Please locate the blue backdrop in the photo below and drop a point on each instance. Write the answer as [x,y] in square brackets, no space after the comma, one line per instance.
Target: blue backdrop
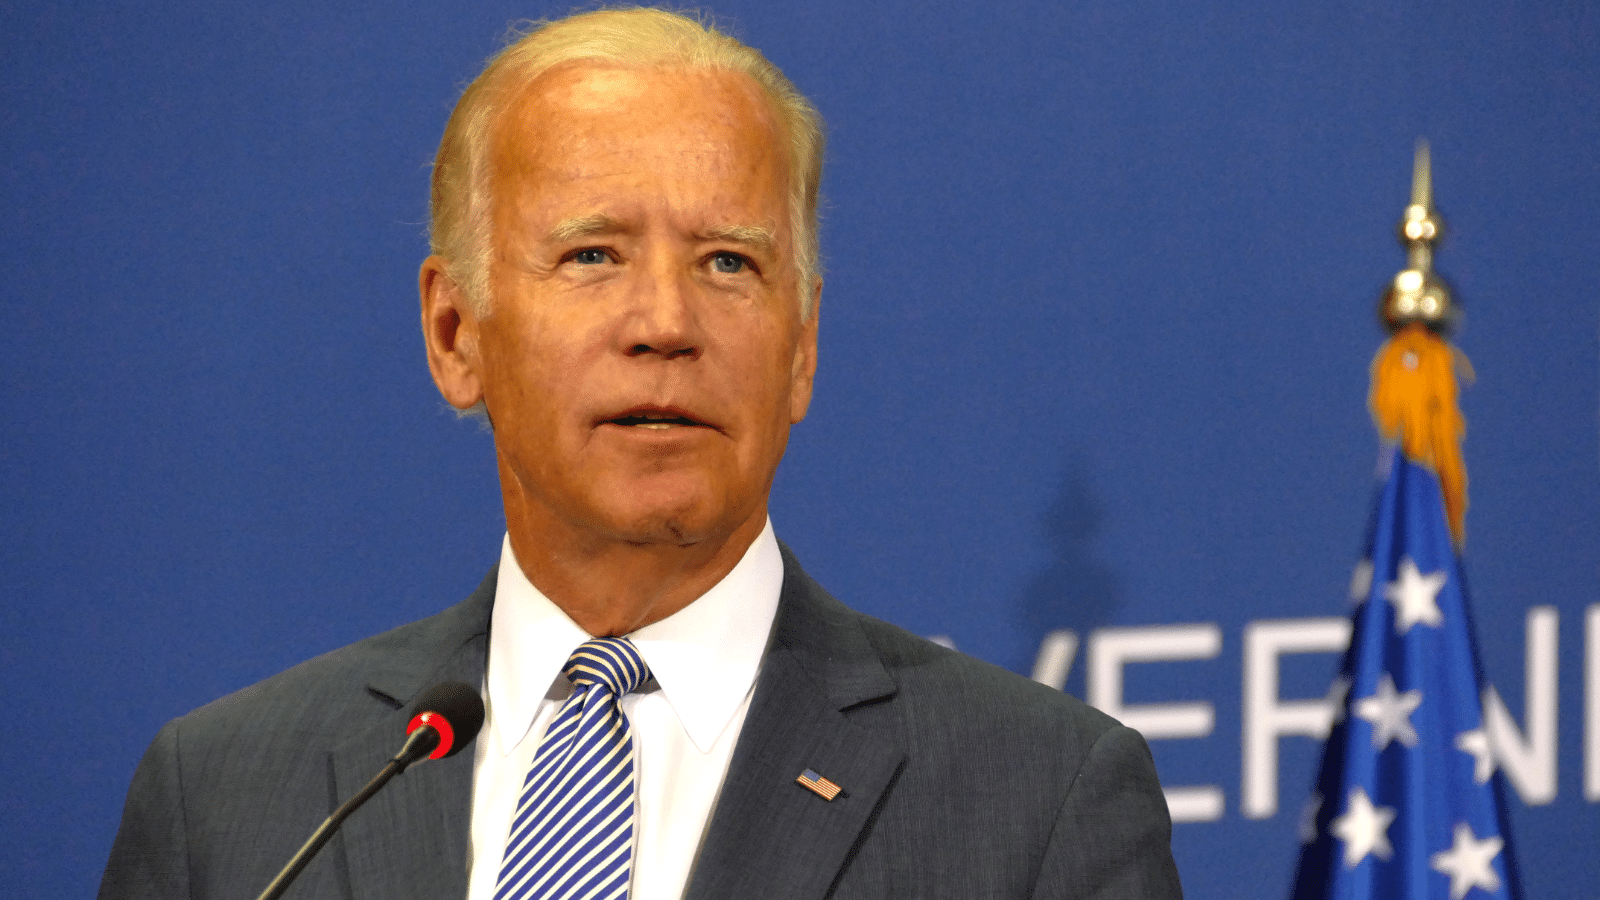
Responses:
[1099,308]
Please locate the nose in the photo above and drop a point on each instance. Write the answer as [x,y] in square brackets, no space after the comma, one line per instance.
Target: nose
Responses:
[661,319]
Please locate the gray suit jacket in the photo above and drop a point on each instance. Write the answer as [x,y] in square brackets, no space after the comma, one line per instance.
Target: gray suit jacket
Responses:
[959,779]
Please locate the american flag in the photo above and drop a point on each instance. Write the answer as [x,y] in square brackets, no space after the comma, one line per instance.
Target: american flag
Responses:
[822,786]
[1409,803]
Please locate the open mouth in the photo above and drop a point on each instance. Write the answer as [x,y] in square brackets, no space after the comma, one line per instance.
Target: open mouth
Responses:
[657,420]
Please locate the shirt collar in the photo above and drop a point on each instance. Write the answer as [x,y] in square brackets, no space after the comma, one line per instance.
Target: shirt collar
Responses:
[704,657]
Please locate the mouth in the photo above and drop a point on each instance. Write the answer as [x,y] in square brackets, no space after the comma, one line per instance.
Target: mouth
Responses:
[656,419]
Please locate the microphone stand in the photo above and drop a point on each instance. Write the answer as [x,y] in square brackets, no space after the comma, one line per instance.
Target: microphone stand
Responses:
[420,744]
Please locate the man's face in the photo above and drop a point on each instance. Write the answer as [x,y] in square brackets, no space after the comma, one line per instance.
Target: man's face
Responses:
[644,354]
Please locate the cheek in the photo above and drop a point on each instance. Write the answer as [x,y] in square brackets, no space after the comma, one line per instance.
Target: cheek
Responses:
[770,379]
[519,375]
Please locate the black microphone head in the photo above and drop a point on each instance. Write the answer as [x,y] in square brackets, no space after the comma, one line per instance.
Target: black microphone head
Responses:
[461,709]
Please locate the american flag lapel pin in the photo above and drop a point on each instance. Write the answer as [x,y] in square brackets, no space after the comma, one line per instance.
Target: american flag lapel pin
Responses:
[815,783]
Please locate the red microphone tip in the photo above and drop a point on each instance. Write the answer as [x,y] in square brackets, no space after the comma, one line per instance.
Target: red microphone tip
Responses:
[447,735]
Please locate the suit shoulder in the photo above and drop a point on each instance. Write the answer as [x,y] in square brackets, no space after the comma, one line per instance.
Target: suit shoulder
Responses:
[935,688]
[971,688]
[968,729]
[385,669]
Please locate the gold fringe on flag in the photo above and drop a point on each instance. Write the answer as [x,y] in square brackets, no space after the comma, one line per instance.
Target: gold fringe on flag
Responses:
[1413,403]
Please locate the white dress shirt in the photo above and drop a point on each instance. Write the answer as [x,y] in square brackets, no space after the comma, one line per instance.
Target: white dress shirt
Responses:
[686,719]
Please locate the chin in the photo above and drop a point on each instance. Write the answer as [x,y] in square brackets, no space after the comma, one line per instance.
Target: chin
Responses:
[674,527]
[653,517]
[682,518]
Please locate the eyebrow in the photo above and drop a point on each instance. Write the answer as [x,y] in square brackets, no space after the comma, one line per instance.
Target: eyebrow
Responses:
[750,235]
[757,236]
[583,226]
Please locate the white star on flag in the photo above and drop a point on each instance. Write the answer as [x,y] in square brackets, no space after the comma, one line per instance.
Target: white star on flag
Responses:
[1361,582]
[1468,862]
[1415,597]
[1390,714]
[1476,742]
[1364,828]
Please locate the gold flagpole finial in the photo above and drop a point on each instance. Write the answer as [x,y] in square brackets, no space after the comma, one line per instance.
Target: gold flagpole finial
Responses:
[1421,178]
[1418,294]
[1414,376]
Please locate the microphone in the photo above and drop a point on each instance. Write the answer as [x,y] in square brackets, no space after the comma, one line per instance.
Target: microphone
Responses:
[448,718]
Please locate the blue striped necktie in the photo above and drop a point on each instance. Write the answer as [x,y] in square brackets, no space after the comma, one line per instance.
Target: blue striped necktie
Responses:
[572,836]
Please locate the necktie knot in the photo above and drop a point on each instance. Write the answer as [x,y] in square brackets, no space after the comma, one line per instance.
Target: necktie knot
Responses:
[572,835]
[613,662]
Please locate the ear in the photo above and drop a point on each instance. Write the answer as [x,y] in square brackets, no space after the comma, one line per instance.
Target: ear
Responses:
[804,373]
[450,329]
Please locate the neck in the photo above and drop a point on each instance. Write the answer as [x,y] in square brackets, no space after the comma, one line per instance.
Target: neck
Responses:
[612,586]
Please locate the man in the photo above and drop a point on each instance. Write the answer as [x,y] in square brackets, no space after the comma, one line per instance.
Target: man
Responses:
[624,281]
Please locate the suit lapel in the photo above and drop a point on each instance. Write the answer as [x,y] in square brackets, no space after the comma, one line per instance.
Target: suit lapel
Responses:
[771,837]
[410,839]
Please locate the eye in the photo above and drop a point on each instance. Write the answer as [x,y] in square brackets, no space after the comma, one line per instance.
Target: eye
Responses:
[728,263]
[591,256]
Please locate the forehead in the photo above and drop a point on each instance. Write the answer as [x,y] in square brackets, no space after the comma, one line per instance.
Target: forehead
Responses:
[586,119]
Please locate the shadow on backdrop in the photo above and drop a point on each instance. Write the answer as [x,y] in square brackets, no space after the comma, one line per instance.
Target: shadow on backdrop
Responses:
[1076,589]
